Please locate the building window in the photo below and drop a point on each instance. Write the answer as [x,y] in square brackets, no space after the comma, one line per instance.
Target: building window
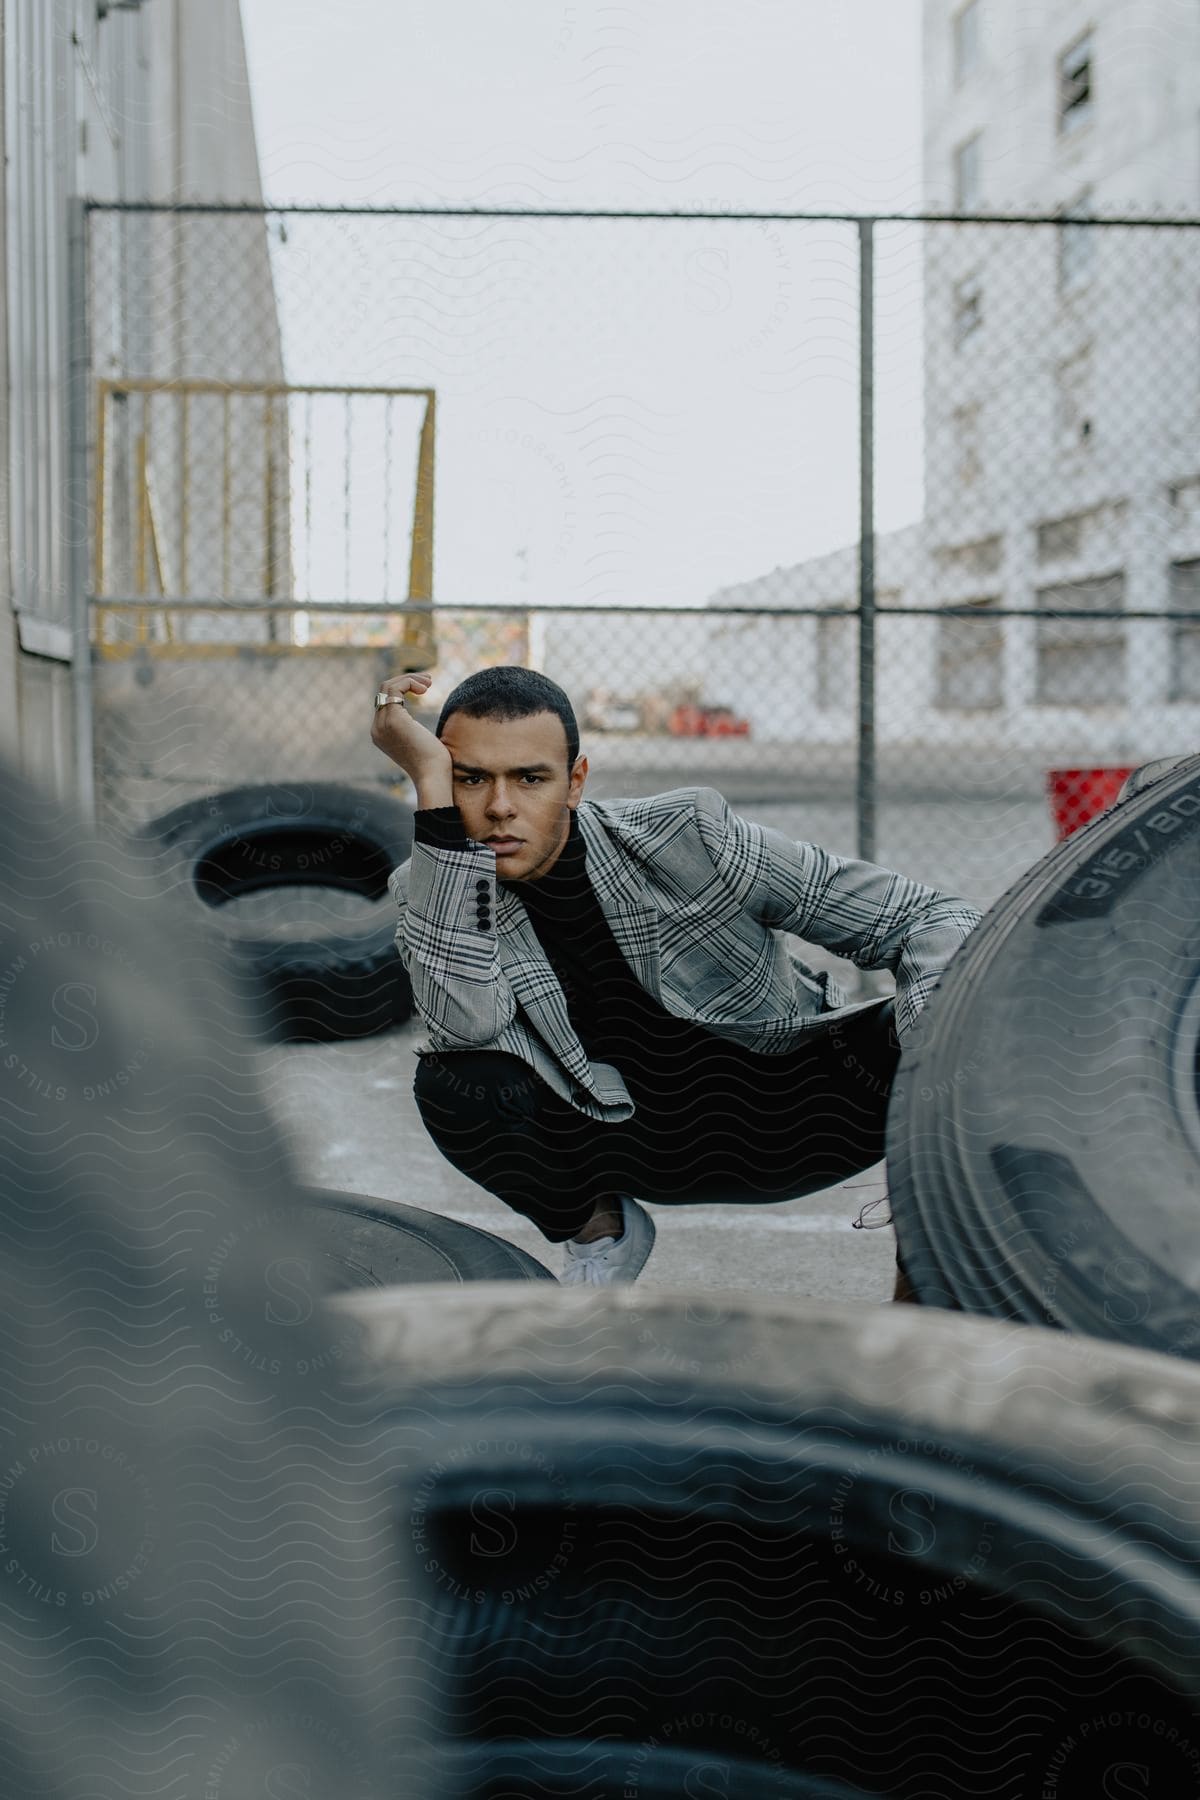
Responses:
[1076,246]
[967,423]
[1075,85]
[967,40]
[837,676]
[1073,421]
[1059,538]
[968,308]
[968,174]
[982,556]
[1097,533]
[1081,661]
[1184,596]
[1184,496]
[970,660]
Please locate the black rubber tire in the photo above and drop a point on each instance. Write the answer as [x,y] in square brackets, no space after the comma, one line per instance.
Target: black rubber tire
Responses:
[1143,776]
[895,1550]
[368,1243]
[345,981]
[513,1769]
[1044,1133]
[232,1606]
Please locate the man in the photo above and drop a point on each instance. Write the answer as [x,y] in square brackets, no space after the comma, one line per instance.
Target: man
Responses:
[611,1007]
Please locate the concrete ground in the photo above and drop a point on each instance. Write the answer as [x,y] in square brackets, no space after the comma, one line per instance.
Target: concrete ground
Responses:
[349,1111]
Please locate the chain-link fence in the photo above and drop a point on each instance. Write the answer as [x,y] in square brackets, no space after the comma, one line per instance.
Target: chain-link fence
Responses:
[872,524]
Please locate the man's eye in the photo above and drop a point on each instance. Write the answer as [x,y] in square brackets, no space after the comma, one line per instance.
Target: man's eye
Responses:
[535,779]
[467,780]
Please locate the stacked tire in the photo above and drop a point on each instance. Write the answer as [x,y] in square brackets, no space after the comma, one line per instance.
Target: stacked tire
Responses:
[1044,1133]
[362,1243]
[312,979]
[742,1548]
[196,1582]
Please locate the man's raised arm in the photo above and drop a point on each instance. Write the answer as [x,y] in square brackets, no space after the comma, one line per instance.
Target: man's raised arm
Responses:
[446,936]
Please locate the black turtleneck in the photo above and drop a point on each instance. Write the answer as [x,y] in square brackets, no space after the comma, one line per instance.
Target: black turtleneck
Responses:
[602,994]
[613,1016]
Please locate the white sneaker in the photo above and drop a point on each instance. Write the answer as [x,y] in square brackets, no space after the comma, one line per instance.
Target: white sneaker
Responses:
[609,1260]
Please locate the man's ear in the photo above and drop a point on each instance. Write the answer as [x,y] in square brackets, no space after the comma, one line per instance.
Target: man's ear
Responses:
[578,777]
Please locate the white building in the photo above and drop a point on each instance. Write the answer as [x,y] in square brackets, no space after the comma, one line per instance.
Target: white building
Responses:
[1061,394]
[798,677]
[110,100]
[1062,363]
[1060,98]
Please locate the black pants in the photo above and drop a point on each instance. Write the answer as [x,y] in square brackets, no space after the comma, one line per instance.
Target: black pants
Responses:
[744,1127]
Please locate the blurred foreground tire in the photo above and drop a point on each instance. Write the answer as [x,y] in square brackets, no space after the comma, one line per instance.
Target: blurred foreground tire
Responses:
[318,979]
[890,1551]
[199,1589]
[366,1243]
[514,1770]
[1044,1131]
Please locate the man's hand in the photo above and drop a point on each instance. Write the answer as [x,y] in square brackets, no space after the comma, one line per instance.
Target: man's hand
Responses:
[422,756]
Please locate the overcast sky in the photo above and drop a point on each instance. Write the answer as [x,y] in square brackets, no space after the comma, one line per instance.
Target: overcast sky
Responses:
[626,412]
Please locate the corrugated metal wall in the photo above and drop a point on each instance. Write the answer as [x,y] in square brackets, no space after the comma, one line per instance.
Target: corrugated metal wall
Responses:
[136,105]
[38,79]
[72,124]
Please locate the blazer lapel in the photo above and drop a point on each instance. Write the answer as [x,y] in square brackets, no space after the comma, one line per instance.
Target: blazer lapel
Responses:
[535,986]
[620,890]
[620,887]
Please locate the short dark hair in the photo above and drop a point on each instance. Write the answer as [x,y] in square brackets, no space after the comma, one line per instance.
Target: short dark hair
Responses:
[510,692]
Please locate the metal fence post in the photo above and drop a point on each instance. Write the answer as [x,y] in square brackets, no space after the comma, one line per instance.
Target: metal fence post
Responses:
[865,785]
[79,540]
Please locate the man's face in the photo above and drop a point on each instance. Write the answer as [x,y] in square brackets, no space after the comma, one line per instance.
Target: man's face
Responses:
[513,789]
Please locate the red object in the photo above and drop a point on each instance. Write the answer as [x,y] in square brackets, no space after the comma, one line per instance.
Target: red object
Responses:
[1080,795]
[707,721]
[687,721]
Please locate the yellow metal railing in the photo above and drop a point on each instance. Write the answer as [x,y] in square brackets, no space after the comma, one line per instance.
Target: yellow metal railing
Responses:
[150,535]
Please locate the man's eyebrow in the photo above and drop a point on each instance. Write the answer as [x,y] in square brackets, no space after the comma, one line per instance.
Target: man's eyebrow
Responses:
[523,769]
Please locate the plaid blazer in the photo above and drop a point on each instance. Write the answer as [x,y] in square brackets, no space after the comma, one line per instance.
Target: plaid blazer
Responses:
[700,902]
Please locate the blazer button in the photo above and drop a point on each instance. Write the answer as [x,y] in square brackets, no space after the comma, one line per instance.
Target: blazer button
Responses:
[483,887]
